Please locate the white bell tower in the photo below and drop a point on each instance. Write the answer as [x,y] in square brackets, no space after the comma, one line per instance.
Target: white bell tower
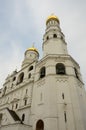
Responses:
[54,39]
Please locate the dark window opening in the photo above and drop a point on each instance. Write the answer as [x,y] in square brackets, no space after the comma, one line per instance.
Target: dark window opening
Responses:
[47,37]
[42,72]
[63,95]
[4,91]
[14,78]
[29,76]
[23,117]
[25,102]
[16,106]
[20,78]
[0,117]
[76,73]
[60,68]
[40,125]
[31,68]
[54,36]
[65,117]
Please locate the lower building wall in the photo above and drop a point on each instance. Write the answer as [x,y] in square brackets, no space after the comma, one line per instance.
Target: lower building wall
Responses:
[15,127]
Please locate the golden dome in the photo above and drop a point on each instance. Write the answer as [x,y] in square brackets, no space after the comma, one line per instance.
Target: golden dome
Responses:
[52,17]
[32,49]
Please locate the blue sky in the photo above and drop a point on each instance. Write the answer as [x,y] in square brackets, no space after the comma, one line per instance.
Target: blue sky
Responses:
[22,23]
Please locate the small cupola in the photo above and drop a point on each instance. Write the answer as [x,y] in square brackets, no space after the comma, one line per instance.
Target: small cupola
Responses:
[52,17]
[31,55]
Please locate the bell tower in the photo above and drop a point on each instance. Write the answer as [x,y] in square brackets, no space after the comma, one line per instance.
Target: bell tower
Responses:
[59,97]
[54,39]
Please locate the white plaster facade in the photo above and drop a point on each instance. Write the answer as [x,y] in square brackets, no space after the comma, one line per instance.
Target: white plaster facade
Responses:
[43,96]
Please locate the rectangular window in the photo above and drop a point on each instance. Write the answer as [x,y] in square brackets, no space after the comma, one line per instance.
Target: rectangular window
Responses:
[62,95]
[25,102]
[65,117]
[0,118]
[16,105]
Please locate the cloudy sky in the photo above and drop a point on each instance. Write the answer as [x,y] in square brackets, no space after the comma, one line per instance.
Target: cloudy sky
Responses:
[22,23]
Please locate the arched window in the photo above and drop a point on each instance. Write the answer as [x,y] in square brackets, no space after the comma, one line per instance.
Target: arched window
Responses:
[42,72]
[54,36]
[76,73]
[40,125]
[31,68]
[20,78]
[60,68]
[23,117]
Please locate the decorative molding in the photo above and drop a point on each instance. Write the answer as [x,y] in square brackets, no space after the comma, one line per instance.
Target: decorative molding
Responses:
[61,79]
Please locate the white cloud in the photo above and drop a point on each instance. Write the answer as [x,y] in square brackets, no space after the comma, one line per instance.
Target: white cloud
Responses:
[8,64]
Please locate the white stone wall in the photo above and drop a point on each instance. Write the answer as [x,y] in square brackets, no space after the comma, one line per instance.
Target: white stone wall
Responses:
[48,103]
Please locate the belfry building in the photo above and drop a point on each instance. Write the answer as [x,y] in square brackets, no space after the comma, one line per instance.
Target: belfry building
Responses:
[45,94]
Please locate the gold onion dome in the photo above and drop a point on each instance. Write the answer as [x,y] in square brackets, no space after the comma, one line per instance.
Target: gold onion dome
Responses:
[52,17]
[32,49]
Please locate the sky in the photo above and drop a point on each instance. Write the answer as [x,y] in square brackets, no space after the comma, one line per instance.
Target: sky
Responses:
[22,23]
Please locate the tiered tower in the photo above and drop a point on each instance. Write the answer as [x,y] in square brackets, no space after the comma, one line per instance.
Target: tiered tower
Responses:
[54,39]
